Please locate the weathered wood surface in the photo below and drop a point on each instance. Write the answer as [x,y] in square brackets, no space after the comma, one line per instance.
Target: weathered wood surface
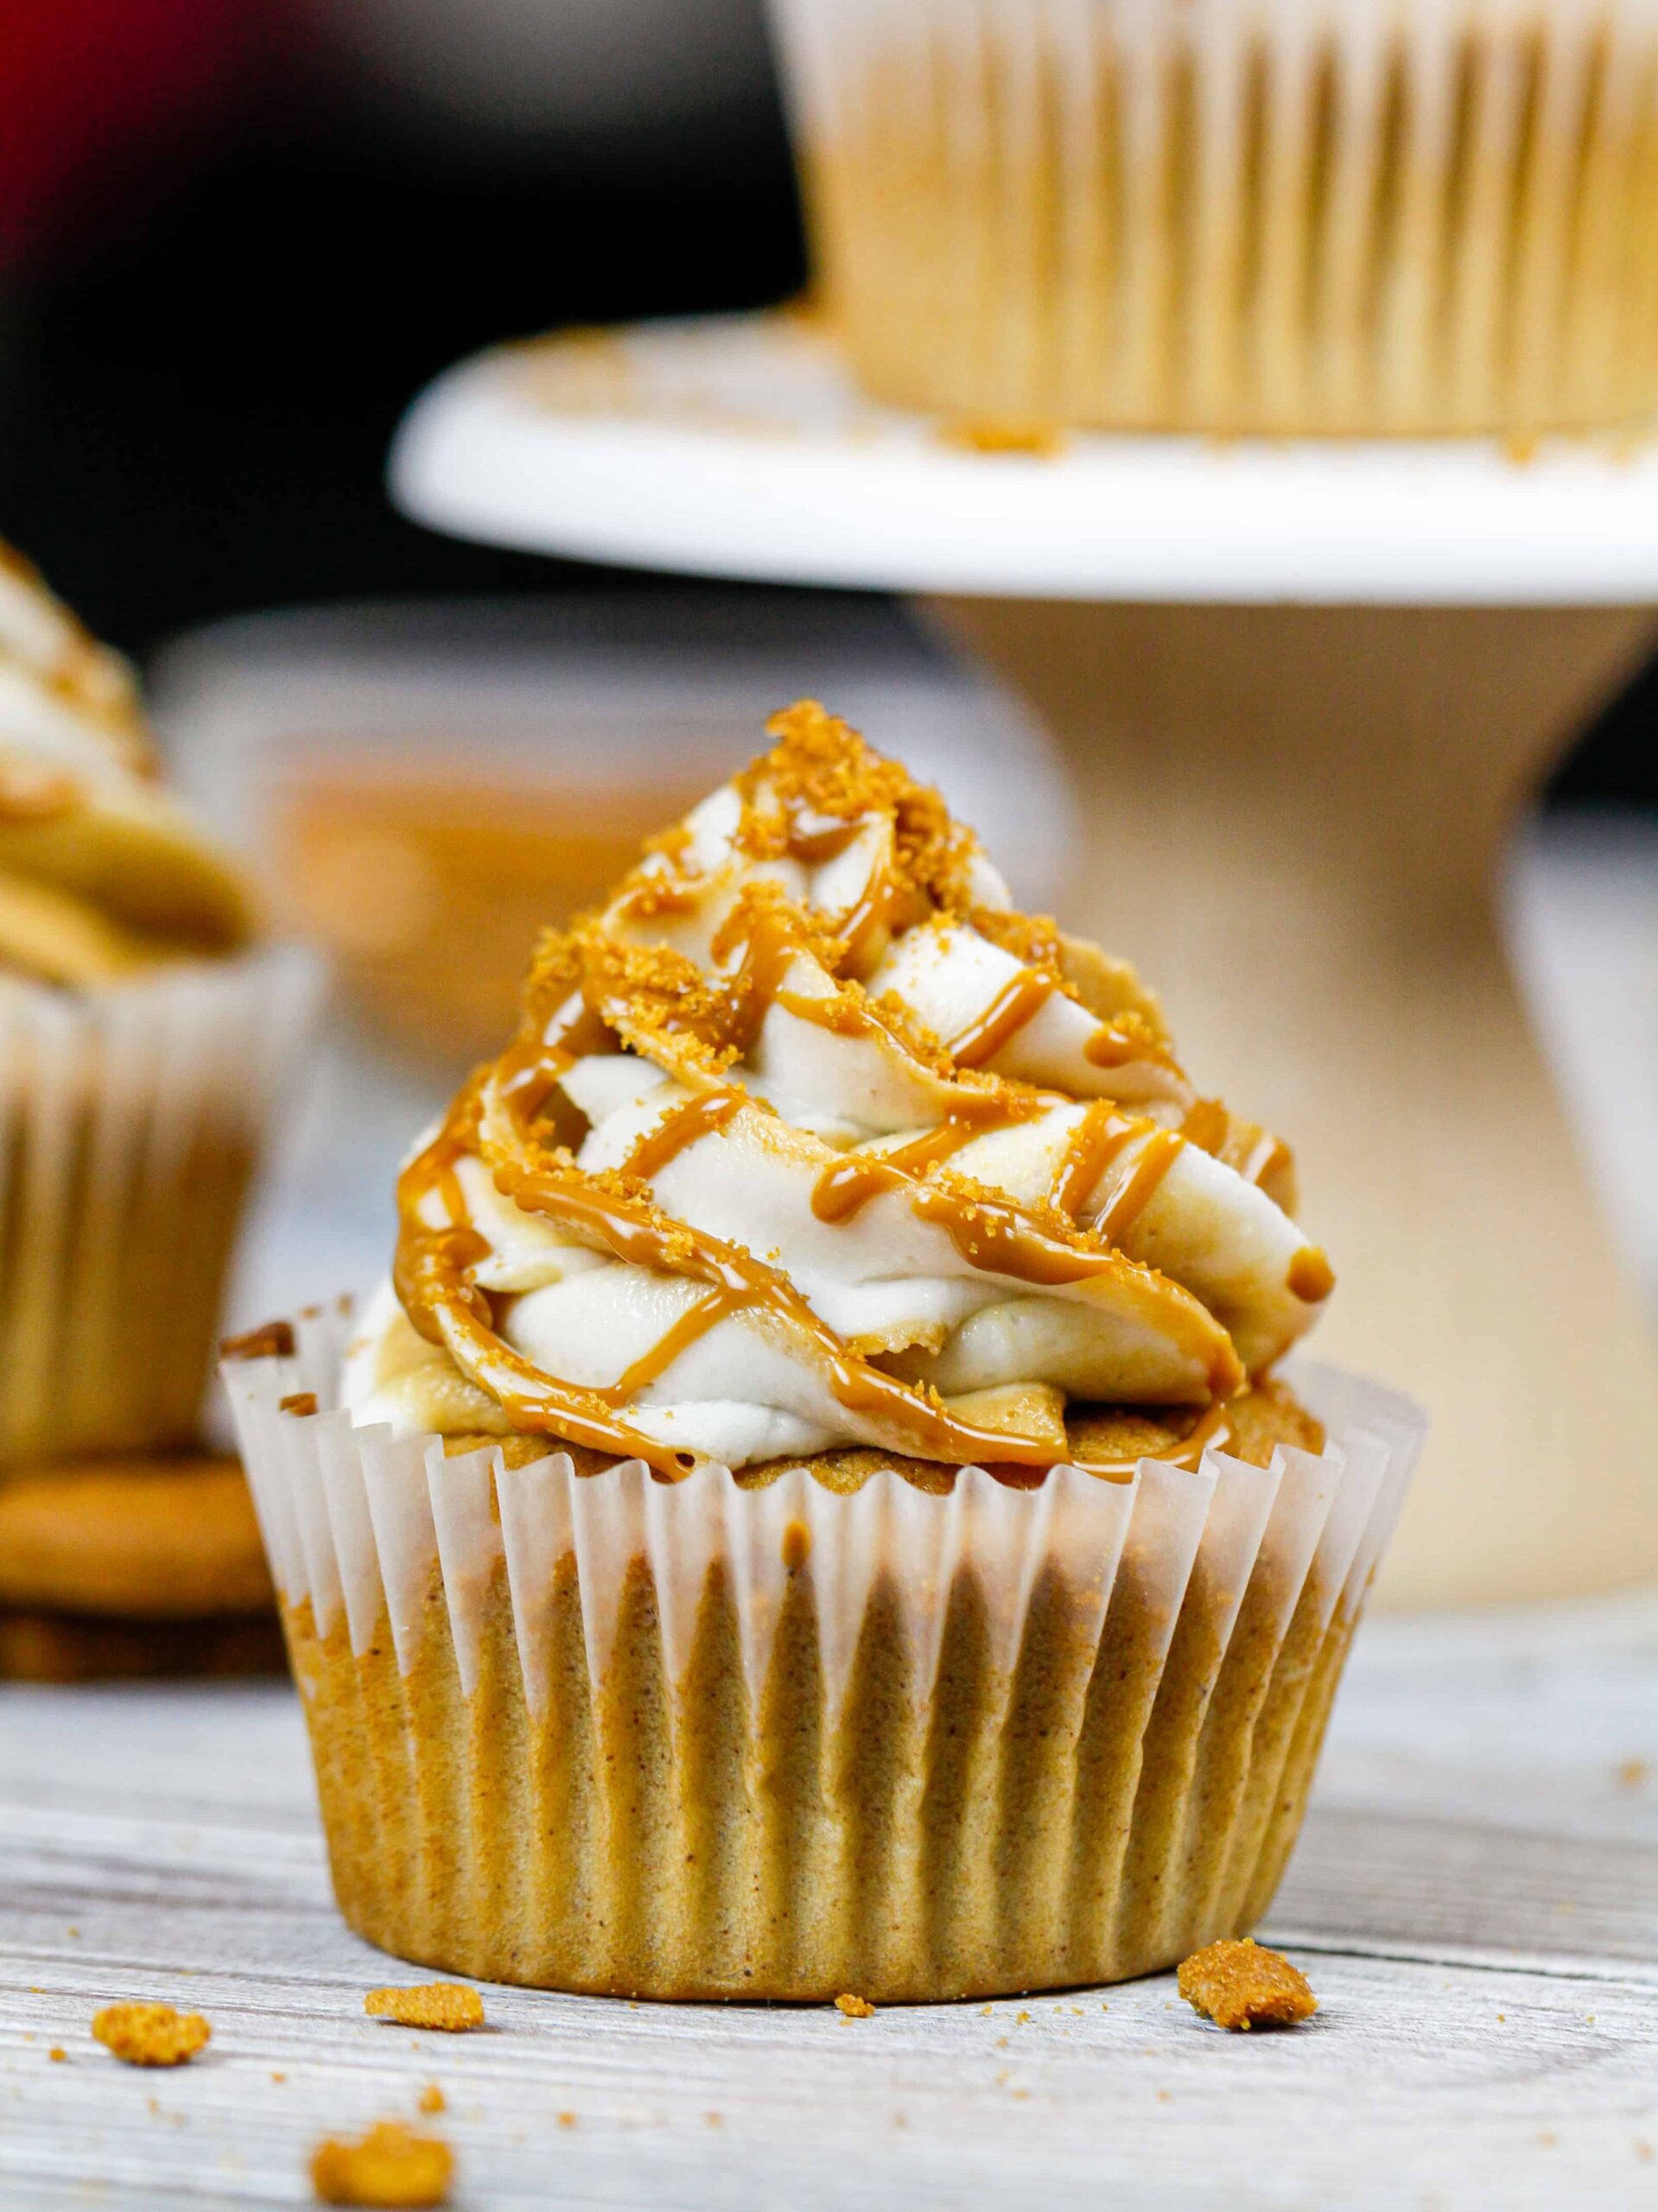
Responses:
[1476,1901]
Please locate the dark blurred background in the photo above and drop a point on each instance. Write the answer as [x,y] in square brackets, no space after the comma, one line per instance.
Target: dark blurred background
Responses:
[236,236]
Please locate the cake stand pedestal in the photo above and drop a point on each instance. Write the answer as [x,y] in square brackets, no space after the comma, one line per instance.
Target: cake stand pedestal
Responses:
[1294,815]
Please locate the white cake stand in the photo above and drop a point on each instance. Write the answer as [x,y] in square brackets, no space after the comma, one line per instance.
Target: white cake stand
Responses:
[1306,691]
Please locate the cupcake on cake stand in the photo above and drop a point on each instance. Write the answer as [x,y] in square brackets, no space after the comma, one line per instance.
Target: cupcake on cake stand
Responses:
[1305,691]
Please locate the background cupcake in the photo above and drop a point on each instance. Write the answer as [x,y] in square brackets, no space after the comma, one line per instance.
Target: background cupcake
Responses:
[1306,215]
[143,1038]
[812,1510]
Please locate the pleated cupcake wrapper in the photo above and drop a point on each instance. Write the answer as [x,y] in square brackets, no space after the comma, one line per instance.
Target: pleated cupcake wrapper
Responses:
[377,1539]
[1439,215]
[131,1122]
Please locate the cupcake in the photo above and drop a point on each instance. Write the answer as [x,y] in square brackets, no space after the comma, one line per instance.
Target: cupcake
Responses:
[815,1507]
[142,1035]
[1220,216]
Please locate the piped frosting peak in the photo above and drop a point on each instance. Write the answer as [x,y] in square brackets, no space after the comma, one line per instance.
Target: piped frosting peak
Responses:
[808,1140]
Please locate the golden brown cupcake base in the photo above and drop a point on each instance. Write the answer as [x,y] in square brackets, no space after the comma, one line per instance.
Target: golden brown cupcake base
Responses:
[1122,1794]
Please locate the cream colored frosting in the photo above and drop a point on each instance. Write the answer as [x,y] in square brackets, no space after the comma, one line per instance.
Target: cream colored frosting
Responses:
[808,1141]
[103,873]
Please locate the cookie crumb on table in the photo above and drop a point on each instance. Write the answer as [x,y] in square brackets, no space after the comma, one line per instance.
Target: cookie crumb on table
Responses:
[1240,1985]
[271,1340]
[854,2008]
[150,2035]
[450,2006]
[431,2099]
[391,2166]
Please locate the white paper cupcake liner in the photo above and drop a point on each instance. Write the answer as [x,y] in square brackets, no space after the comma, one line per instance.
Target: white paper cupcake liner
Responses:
[131,1122]
[1319,215]
[1141,1670]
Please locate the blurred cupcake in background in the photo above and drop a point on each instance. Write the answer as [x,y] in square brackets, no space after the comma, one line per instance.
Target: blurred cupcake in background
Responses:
[144,1030]
[1238,216]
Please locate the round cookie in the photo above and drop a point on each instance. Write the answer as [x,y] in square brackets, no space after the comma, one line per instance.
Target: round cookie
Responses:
[132,1539]
[70,1648]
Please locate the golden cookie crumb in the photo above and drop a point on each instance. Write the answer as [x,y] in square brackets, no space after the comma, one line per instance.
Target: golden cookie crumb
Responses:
[150,2035]
[391,2166]
[566,2119]
[447,2005]
[432,2099]
[1633,1774]
[1240,1985]
[57,2054]
[273,1340]
[854,2008]
[993,435]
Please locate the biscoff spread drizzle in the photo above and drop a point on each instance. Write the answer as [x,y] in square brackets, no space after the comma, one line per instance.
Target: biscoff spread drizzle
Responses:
[663,1133]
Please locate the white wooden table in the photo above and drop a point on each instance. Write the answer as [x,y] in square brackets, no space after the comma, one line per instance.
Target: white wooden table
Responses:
[1476,1901]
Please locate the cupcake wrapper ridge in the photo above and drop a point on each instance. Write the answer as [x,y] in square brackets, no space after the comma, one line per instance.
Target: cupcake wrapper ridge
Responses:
[132,1121]
[1437,216]
[690,1740]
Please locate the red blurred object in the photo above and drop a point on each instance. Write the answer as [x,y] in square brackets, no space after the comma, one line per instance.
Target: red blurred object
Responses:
[98,96]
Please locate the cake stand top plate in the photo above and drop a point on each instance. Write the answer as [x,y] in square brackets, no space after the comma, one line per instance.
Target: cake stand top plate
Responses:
[738,446]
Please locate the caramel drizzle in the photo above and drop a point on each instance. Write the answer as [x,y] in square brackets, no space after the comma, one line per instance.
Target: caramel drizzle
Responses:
[1140,1185]
[1215,1427]
[1269,1153]
[1206,1124]
[434,1282]
[1102,1134]
[1019,1000]
[682,1125]
[848,1184]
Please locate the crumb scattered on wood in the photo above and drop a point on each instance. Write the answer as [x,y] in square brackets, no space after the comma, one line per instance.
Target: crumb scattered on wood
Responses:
[566,2119]
[994,435]
[1634,1774]
[57,2054]
[854,2008]
[1240,1985]
[151,2034]
[272,1339]
[431,2099]
[448,2007]
[391,2166]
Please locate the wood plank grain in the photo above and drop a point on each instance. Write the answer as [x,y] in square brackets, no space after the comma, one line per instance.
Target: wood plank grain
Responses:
[1477,2045]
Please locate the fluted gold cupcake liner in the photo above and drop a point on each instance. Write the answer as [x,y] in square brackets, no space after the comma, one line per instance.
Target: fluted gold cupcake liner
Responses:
[693,1740]
[1319,216]
[132,1122]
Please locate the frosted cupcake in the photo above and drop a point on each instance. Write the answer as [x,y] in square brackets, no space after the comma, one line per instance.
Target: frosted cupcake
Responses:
[811,1510]
[141,1036]
[1306,215]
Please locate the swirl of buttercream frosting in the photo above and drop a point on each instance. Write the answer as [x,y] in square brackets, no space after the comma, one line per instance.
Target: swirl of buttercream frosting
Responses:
[104,874]
[808,1141]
